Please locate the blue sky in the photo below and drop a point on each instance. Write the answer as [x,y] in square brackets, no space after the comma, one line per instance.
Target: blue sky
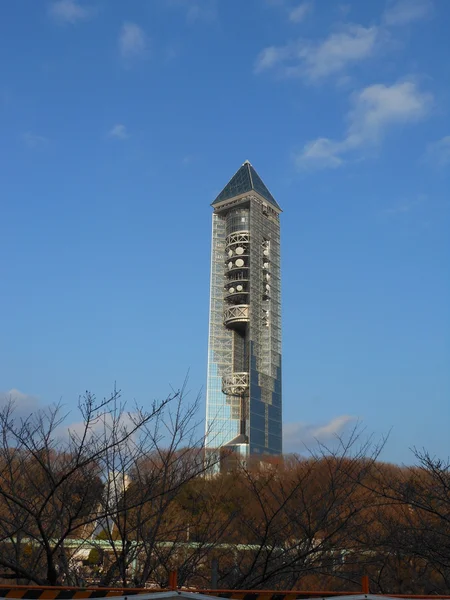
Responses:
[120,122]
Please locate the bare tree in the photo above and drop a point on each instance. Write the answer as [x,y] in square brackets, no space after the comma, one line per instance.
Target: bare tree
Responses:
[121,498]
[53,481]
[294,517]
[408,544]
[148,529]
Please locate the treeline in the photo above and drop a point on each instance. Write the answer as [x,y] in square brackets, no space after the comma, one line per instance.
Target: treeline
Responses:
[123,498]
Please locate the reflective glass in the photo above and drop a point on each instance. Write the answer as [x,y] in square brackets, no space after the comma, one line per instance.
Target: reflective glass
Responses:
[245,180]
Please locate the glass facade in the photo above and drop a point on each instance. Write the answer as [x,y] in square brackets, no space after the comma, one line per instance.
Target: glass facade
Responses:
[245,180]
[243,404]
[264,332]
[238,220]
[221,427]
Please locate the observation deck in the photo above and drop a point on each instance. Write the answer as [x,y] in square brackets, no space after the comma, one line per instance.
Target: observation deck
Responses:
[235,384]
[237,313]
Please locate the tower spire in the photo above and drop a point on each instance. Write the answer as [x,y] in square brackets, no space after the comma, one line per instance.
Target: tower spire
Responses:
[246,179]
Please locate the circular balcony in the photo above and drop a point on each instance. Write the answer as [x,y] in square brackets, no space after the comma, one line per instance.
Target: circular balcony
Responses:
[235,314]
[236,289]
[235,384]
[237,279]
[236,252]
[237,263]
[236,296]
[237,238]
[244,255]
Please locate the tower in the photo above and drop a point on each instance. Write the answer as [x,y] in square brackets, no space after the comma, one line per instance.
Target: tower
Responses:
[243,397]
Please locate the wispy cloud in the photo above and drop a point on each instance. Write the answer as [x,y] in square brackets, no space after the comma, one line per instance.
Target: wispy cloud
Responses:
[438,153]
[300,12]
[69,11]
[317,60]
[133,42]
[405,206]
[402,12]
[376,109]
[321,153]
[197,10]
[351,44]
[344,9]
[188,159]
[298,436]
[119,132]
[32,140]
[201,11]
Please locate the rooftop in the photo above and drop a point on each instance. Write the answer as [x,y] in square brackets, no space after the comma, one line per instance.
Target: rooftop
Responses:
[245,180]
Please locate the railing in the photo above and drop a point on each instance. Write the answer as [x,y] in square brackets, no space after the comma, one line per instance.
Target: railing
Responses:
[236,314]
[237,238]
[235,384]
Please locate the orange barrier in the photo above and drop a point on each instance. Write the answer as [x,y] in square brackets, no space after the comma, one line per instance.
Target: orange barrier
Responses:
[35,592]
[66,593]
[304,594]
[365,584]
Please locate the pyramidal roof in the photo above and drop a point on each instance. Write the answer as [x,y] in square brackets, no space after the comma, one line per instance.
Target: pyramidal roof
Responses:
[245,180]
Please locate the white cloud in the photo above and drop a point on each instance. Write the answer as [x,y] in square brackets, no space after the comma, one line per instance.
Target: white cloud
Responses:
[119,132]
[402,12]
[320,153]
[375,110]
[298,436]
[342,49]
[315,61]
[300,12]
[378,106]
[104,424]
[133,42]
[438,153]
[24,404]
[69,11]
[271,57]
[32,140]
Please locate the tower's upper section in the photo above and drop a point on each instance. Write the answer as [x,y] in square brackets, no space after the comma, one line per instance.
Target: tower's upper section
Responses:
[245,180]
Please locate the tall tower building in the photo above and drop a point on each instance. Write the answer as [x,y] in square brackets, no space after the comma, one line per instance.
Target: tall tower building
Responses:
[243,398]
